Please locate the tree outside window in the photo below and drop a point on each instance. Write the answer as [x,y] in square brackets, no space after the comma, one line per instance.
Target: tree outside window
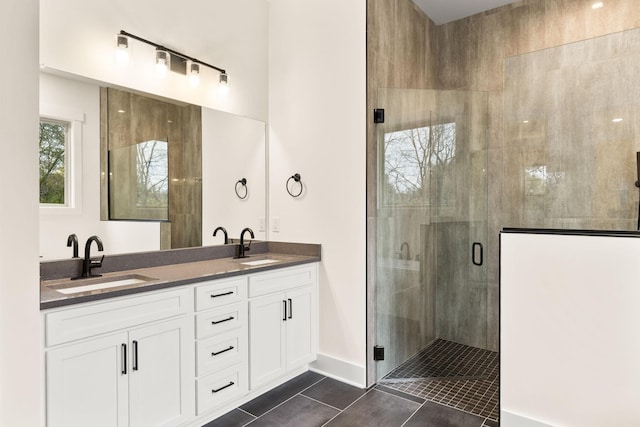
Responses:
[418,166]
[53,148]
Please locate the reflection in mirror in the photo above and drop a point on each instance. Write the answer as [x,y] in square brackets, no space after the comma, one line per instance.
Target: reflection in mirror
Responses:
[230,147]
[139,181]
[128,118]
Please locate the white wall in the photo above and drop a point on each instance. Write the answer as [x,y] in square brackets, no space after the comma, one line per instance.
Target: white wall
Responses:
[20,338]
[66,97]
[233,148]
[78,36]
[570,342]
[317,95]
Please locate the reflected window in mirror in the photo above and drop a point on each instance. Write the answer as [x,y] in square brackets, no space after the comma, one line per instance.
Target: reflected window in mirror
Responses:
[139,181]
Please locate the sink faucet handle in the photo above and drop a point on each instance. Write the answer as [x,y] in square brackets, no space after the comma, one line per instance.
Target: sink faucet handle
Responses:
[97,263]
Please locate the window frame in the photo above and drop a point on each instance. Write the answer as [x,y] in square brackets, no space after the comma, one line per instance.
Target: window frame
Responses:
[73,159]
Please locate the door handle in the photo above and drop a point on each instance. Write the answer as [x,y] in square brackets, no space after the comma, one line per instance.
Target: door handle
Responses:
[123,354]
[135,355]
[477,252]
[284,317]
[290,308]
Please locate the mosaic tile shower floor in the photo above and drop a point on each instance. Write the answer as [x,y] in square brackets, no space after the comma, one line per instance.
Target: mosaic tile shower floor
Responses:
[452,374]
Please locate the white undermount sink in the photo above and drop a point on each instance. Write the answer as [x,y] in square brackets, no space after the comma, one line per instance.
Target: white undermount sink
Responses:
[93,284]
[259,262]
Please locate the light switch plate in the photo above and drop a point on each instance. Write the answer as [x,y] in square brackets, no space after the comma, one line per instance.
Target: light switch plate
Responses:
[276,224]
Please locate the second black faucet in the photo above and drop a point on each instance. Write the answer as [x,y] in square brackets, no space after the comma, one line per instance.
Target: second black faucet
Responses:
[242,248]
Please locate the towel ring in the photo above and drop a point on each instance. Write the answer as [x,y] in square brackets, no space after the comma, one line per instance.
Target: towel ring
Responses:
[243,182]
[296,177]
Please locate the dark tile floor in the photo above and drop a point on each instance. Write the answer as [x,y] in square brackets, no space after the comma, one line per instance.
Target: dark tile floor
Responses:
[311,400]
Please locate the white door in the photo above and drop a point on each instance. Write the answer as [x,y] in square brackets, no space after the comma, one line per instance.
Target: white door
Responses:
[87,383]
[300,323]
[267,339]
[160,381]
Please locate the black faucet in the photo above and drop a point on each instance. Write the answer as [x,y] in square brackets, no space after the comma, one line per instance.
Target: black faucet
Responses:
[226,237]
[73,240]
[242,248]
[88,263]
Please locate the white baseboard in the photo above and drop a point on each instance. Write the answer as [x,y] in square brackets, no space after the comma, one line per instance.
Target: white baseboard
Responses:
[509,419]
[340,370]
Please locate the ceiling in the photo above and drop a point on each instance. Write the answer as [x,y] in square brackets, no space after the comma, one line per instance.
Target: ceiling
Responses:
[443,11]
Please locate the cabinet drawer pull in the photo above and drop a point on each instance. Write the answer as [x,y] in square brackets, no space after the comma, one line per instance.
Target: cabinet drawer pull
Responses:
[223,387]
[123,353]
[215,322]
[290,308]
[222,295]
[284,316]
[215,353]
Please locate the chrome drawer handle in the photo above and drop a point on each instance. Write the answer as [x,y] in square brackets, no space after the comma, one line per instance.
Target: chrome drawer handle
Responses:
[222,295]
[214,322]
[223,387]
[215,353]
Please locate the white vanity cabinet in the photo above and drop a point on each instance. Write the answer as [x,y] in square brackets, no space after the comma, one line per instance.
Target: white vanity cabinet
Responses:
[221,342]
[180,356]
[125,362]
[282,322]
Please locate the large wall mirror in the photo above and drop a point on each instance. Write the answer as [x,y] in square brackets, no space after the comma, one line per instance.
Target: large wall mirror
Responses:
[194,192]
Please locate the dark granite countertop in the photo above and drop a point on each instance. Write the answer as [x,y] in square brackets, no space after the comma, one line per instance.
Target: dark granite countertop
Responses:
[171,275]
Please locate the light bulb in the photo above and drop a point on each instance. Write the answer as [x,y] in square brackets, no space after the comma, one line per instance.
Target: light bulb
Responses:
[163,62]
[223,86]
[122,49]
[193,69]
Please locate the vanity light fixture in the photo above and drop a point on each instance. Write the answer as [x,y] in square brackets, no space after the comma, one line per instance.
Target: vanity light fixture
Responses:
[171,60]
[617,120]
[597,5]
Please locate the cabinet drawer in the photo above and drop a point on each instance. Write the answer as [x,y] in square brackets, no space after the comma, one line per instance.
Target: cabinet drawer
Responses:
[279,280]
[217,389]
[221,351]
[219,320]
[94,319]
[220,292]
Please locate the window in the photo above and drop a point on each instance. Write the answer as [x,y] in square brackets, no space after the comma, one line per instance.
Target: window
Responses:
[54,177]
[60,143]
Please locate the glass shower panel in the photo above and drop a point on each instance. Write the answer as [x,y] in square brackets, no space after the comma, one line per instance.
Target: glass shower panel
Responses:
[431,221]
[571,134]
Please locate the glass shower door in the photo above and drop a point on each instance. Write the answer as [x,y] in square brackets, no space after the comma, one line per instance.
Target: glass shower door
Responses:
[430,274]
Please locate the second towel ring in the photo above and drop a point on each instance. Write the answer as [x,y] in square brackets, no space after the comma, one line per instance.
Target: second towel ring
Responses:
[296,177]
[243,182]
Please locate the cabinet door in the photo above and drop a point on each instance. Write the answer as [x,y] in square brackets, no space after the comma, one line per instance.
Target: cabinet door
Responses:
[267,339]
[161,375]
[87,383]
[301,345]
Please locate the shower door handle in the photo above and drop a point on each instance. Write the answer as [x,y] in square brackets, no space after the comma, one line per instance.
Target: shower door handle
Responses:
[477,253]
